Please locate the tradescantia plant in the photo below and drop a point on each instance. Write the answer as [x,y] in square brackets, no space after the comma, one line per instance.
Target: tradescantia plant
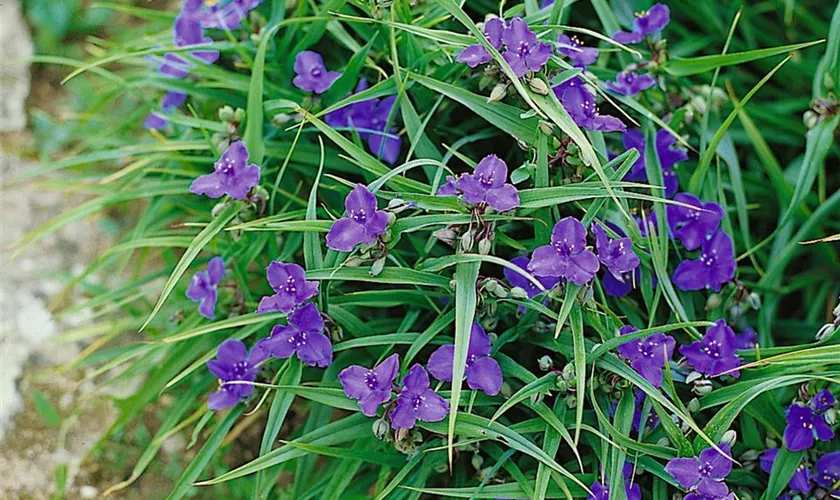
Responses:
[474,250]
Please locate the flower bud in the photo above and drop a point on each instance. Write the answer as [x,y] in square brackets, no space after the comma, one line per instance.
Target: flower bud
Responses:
[506,390]
[477,461]
[239,115]
[810,119]
[498,93]
[702,387]
[561,384]
[825,332]
[226,114]
[446,235]
[518,293]
[546,128]
[729,437]
[693,377]
[280,119]
[754,300]
[484,246]
[377,267]
[830,416]
[380,428]
[539,86]
[218,208]
[569,372]
[749,456]
[770,443]
[545,363]
[663,441]
[354,261]
[694,405]
[442,468]
[467,241]
[713,302]
[571,401]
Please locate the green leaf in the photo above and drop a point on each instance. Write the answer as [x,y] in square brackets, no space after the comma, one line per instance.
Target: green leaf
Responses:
[46,410]
[253,136]
[784,466]
[466,275]
[677,66]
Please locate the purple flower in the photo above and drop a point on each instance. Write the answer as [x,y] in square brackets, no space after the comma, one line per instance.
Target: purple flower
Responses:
[706,472]
[567,255]
[487,185]
[517,280]
[174,66]
[418,401]
[233,362]
[745,339]
[482,371]
[370,387]
[312,75]
[714,354]
[448,188]
[302,336]
[630,83]
[290,288]
[827,472]
[475,55]
[699,496]
[187,32]
[573,49]
[523,51]
[385,145]
[580,104]
[647,355]
[803,425]
[692,225]
[650,22]
[232,175]
[202,287]
[363,224]
[801,480]
[168,103]
[644,223]
[823,400]
[356,115]
[651,420]
[602,491]
[715,266]
[617,255]
[221,14]
[666,153]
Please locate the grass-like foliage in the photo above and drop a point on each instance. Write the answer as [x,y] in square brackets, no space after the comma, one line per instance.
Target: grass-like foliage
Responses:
[430,248]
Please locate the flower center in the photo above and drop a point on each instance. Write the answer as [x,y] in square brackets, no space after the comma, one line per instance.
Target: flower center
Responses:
[485,181]
[648,349]
[370,379]
[239,370]
[524,50]
[706,469]
[416,401]
[291,286]
[708,259]
[712,348]
[225,166]
[316,72]
[359,215]
[298,340]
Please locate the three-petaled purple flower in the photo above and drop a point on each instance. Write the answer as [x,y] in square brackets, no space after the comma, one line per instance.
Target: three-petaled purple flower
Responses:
[302,336]
[203,285]
[233,363]
[823,400]
[801,480]
[567,256]
[668,157]
[312,74]
[363,224]
[647,355]
[714,354]
[601,491]
[650,419]
[746,339]
[580,104]
[827,472]
[168,103]
[617,255]
[630,83]
[482,371]
[706,472]
[232,175]
[517,280]
[223,14]
[574,49]
[649,22]
[290,288]
[803,426]
[370,387]
[417,401]
[476,54]
[523,51]
[692,225]
[448,188]
[487,185]
[715,267]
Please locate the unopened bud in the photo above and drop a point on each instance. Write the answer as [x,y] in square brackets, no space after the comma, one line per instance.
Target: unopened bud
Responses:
[569,372]
[693,377]
[498,93]
[546,128]
[571,401]
[354,261]
[477,461]
[377,267]
[713,302]
[702,387]
[467,241]
[380,428]
[239,115]
[280,119]
[694,405]
[484,246]
[561,384]
[218,208]
[226,114]
[810,119]
[539,86]
[518,293]
[749,456]
[663,442]
[446,235]
[506,390]
[729,437]
[830,416]
[825,332]
[545,363]
[754,300]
